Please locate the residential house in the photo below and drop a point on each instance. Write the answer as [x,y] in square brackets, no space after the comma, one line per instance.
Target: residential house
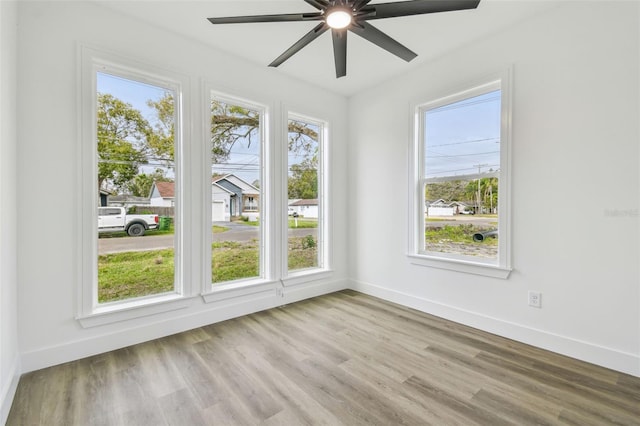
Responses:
[441,207]
[305,208]
[104,197]
[162,194]
[221,203]
[243,198]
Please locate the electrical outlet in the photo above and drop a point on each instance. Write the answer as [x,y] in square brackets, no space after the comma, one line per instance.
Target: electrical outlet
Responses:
[535,299]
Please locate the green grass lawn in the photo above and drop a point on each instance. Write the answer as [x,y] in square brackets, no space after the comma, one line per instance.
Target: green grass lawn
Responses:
[303,223]
[136,274]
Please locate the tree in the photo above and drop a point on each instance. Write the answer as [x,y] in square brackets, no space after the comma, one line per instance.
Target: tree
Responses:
[161,141]
[122,136]
[231,124]
[140,185]
[487,192]
[453,190]
[303,181]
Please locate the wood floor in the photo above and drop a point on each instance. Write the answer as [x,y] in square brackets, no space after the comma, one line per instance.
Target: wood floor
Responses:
[340,359]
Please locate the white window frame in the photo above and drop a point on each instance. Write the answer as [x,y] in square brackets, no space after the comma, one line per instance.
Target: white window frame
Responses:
[90,312]
[324,258]
[265,281]
[417,255]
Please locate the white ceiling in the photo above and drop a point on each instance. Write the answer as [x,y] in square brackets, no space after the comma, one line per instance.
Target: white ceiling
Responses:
[367,65]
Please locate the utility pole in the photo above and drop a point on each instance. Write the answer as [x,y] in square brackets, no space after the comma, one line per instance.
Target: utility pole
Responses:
[479,166]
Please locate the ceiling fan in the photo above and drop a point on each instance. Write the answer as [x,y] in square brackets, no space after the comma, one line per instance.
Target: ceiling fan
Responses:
[352,15]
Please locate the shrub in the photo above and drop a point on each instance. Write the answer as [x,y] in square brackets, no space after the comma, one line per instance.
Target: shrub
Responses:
[308,242]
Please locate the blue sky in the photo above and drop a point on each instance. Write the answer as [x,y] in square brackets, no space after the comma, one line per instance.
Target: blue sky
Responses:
[462,135]
[132,92]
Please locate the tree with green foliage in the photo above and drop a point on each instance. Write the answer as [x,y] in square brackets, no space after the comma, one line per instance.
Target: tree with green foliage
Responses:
[466,190]
[303,181]
[126,139]
[161,141]
[141,184]
[488,193]
[453,190]
[123,134]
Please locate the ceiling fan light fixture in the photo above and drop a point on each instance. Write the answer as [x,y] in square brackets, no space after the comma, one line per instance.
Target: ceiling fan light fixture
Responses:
[339,18]
[344,16]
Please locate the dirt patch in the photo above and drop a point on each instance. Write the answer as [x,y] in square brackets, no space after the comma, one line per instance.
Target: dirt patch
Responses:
[482,250]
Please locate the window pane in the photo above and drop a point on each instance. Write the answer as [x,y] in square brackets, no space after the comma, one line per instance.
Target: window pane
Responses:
[236,147]
[461,175]
[304,209]
[136,181]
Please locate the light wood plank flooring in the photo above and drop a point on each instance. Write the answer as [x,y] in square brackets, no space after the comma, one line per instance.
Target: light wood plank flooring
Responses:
[340,359]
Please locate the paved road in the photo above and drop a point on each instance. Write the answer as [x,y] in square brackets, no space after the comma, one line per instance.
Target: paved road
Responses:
[236,232]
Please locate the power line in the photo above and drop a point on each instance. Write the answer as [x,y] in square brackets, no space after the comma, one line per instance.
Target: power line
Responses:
[496,139]
[438,155]
[462,170]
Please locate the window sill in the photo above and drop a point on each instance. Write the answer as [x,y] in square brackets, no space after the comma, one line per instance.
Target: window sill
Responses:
[124,311]
[306,275]
[458,265]
[221,292]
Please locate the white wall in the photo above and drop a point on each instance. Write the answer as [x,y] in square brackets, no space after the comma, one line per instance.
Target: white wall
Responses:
[48,171]
[9,357]
[575,142]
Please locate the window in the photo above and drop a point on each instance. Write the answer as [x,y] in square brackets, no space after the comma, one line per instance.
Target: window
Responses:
[131,148]
[237,190]
[139,181]
[461,188]
[305,194]
[135,125]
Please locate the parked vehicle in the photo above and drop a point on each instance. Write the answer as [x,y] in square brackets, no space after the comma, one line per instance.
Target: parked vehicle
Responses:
[115,219]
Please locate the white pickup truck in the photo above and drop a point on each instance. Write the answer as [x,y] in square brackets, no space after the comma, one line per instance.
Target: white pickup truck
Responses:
[114,219]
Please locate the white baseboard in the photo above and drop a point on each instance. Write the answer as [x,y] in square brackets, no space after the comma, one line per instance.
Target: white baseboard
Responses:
[8,390]
[295,293]
[606,357]
[216,312]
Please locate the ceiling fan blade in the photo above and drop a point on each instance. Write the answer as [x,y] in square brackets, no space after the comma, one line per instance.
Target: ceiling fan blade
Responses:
[318,4]
[287,17]
[375,36]
[359,4]
[419,7]
[340,51]
[306,39]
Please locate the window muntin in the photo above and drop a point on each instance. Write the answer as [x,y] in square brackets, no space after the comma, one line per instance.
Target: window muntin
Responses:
[305,211]
[135,124]
[237,192]
[462,178]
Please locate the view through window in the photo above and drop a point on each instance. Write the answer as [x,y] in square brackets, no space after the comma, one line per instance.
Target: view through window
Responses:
[136,178]
[461,173]
[236,194]
[304,194]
